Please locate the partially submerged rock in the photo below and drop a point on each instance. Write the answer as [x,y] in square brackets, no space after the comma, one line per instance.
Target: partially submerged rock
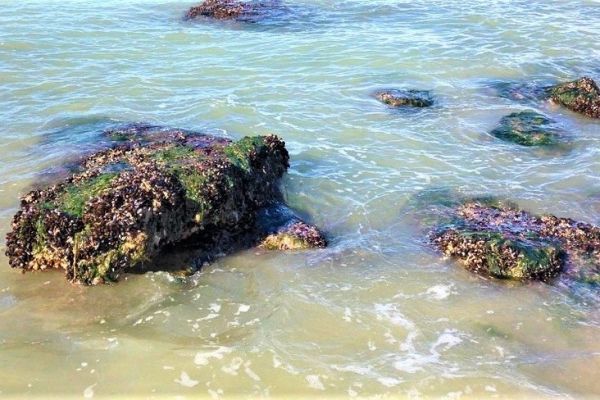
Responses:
[294,236]
[581,96]
[527,128]
[502,241]
[158,188]
[405,98]
[494,254]
[233,10]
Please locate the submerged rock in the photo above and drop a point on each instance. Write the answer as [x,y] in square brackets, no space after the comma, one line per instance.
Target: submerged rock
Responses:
[523,92]
[527,128]
[233,10]
[158,188]
[405,98]
[581,96]
[500,240]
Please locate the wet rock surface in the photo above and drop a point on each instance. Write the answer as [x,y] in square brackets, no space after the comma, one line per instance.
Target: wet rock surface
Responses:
[249,11]
[500,240]
[405,98]
[581,96]
[155,189]
[294,236]
[527,128]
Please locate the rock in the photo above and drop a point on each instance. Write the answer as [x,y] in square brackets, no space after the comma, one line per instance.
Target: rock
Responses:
[522,92]
[494,254]
[250,11]
[295,236]
[502,241]
[405,98]
[158,188]
[581,96]
[527,128]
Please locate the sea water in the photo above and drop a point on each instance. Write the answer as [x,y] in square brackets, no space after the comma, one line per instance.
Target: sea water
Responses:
[378,312]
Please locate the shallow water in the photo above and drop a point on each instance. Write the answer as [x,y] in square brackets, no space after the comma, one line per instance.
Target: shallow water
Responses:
[377,312]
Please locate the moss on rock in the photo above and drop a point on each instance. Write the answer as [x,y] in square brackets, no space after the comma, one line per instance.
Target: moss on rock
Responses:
[527,128]
[581,96]
[97,224]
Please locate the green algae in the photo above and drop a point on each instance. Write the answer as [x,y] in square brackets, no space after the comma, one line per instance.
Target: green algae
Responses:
[239,153]
[527,128]
[76,196]
[175,153]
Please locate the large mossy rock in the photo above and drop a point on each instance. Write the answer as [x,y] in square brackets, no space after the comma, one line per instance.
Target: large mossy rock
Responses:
[498,239]
[581,96]
[405,98]
[527,128]
[250,11]
[157,188]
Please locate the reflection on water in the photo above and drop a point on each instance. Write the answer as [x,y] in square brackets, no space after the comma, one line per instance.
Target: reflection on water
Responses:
[376,312]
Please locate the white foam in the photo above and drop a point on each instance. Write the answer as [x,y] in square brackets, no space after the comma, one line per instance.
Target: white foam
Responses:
[389,382]
[185,380]
[242,309]
[88,393]
[203,357]
[314,382]
[439,292]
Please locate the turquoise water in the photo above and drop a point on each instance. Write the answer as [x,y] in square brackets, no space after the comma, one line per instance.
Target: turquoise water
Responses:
[377,312]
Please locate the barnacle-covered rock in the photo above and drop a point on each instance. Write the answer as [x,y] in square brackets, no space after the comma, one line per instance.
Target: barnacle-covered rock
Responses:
[581,96]
[527,128]
[294,236]
[503,241]
[250,11]
[494,254]
[156,188]
[405,98]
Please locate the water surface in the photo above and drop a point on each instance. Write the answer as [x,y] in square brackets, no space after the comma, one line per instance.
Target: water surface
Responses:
[377,312]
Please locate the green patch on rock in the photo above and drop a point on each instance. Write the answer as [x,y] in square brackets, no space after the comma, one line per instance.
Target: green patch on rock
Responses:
[527,128]
[175,154]
[76,196]
[239,153]
[192,181]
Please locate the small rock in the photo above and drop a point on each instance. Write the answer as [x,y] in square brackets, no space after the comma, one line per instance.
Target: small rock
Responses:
[405,98]
[527,128]
[581,96]
[233,10]
[295,236]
